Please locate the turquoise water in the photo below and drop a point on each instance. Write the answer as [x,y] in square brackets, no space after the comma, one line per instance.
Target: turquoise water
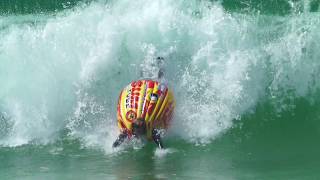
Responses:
[245,76]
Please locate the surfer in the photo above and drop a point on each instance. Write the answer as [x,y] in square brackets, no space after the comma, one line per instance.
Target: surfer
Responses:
[145,108]
[138,130]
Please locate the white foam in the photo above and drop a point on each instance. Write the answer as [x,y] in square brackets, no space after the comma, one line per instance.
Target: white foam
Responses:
[161,153]
[66,71]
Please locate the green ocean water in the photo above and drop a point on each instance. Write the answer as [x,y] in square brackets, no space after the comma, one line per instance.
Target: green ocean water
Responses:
[244,73]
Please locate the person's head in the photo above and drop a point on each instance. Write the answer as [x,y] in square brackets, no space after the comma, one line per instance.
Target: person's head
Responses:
[139,127]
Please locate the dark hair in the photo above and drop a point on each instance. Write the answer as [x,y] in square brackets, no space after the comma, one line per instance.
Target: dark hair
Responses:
[139,126]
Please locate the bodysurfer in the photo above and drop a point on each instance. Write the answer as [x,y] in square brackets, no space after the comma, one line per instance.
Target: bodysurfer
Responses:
[145,108]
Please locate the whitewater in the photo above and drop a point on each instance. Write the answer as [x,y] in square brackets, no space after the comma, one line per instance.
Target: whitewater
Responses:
[61,74]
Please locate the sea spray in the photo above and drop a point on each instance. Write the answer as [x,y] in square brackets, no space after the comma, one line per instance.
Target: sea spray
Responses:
[65,72]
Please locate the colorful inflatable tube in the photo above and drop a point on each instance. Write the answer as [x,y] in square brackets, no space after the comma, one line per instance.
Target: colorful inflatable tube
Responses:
[147,99]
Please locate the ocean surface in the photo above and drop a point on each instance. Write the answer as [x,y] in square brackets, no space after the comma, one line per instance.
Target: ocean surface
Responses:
[245,74]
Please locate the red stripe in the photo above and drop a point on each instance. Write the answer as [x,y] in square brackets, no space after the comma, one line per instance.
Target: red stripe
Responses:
[150,84]
[119,105]
[122,125]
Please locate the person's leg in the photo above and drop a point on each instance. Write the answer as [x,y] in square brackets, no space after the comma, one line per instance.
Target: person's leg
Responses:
[156,136]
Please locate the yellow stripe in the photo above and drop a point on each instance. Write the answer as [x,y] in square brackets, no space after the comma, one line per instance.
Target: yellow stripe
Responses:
[140,102]
[170,100]
[149,91]
[155,90]
[123,108]
[156,110]
[150,119]
[119,110]
[163,104]
[119,125]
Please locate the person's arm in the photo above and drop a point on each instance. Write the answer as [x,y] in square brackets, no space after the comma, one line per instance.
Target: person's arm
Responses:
[157,138]
[160,64]
[120,139]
